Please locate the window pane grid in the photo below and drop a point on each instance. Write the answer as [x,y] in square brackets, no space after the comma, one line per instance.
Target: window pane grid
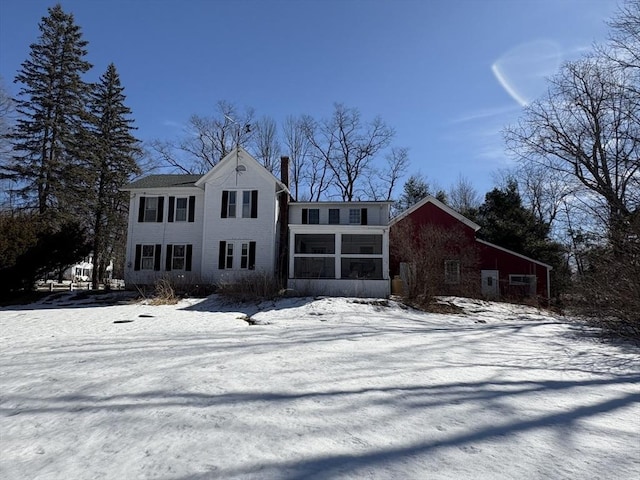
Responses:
[151,209]
[181,210]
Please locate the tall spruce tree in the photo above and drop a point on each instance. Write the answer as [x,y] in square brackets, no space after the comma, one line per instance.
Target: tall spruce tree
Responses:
[51,107]
[112,159]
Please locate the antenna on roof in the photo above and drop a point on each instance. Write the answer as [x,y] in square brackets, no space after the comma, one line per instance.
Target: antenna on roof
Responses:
[247,129]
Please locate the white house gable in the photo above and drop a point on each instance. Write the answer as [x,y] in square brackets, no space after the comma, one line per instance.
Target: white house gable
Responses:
[239,232]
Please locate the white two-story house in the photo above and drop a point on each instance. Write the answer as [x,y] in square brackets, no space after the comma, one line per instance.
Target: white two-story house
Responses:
[227,223]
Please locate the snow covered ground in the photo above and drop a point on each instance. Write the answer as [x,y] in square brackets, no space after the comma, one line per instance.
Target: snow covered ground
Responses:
[326,388]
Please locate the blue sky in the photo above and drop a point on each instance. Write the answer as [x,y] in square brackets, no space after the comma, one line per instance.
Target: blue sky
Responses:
[448,75]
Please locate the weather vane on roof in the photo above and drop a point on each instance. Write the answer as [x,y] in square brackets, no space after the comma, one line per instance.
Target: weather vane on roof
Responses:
[247,129]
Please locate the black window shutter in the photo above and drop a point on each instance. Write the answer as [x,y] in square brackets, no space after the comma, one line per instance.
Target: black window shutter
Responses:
[222,254]
[141,210]
[156,263]
[189,255]
[305,216]
[160,211]
[363,217]
[169,254]
[136,263]
[225,204]
[252,255]
[192,208]
[254,203]
[172,204]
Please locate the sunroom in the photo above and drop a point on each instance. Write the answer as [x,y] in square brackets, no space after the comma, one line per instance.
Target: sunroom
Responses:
[345,260]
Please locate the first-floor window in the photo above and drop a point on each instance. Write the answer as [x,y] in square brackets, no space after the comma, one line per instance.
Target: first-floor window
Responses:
[370,268]
[452,272]
[229,256]
[314,267]
[246,251]
[244,255]
[179,257]
[147,257]
[524,283]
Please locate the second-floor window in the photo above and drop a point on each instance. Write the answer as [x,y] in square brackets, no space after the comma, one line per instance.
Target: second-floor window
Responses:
[334,216]
[150,209]
[249,205]
[182,209]
[310,216]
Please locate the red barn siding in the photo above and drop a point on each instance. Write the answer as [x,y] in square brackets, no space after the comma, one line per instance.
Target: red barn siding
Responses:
[491,257]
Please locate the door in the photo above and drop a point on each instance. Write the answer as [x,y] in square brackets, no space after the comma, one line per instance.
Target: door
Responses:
[490,286]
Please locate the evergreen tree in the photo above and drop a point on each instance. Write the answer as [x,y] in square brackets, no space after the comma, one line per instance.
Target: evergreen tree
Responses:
[51,106]
[507,223]
[415,189]
[112,160]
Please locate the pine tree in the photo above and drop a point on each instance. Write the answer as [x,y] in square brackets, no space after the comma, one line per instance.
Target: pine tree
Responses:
[415,189]
[113,160]
[507,223]
[51,107]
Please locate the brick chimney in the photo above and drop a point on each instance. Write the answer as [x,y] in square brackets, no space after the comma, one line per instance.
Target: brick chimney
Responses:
[283,241]
[284,170]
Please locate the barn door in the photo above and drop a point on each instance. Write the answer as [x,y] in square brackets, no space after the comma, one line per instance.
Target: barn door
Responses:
[490,287]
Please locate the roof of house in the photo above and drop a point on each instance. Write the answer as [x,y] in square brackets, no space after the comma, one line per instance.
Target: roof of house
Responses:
[441,206]
[511,252]
[341,202]
[239,154]
[163,181]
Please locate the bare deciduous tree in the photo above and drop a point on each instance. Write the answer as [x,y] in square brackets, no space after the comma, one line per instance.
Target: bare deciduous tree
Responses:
[265,142]
[586,128]
[349,145]
[382,182]
[462,196]
[207,139]
[297,145]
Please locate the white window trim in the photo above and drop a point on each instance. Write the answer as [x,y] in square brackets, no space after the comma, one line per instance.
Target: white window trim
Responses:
[186,209]
[143,257]
[352,214]
[148,210]
[232,213]
[174,257]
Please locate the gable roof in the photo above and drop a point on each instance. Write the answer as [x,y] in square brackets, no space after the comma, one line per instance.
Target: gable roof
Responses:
[441,206]
[240,154]
[163,181]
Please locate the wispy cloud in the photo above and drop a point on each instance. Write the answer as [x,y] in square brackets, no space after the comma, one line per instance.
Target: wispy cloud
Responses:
[522,70]
[485,114]
[173,124]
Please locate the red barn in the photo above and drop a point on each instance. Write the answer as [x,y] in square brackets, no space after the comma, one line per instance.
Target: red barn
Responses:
[502,272]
